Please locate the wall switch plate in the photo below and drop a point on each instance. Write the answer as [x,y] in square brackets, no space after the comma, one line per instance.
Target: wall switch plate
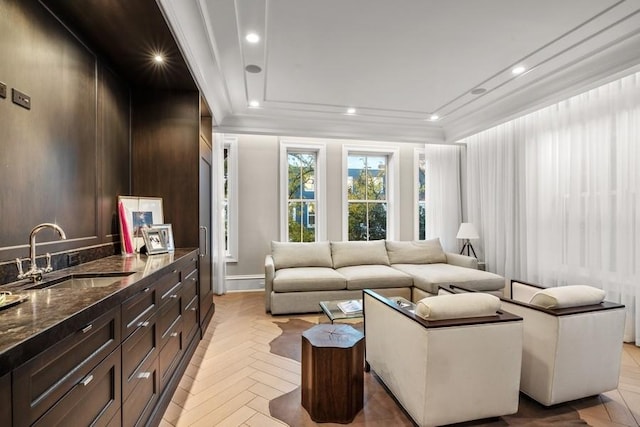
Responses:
[22,99]
[73,258]
[3,90]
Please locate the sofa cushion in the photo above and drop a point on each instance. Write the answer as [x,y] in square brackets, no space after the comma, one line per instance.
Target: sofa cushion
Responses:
[415,252]
[457,306]
[345,254]
[293,254]
[567,296]
[374,276]
[302,279]
[429,276]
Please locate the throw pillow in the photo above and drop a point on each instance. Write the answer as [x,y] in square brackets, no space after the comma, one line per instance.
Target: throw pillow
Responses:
[312,254]
[372,252]
[457,306]
[416,252]
[567,296]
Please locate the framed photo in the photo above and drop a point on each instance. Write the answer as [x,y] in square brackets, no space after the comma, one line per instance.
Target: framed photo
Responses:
[154,241]
[136,214]
[167,234]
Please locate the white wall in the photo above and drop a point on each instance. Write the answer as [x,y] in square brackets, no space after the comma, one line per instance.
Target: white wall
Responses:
[259,200]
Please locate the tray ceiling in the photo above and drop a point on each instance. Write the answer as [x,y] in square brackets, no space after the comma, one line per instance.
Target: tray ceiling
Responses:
[397,63]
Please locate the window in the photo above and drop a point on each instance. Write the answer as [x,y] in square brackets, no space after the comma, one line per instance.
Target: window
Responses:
[369,186]
[420,191]
[301,178]
[230,198]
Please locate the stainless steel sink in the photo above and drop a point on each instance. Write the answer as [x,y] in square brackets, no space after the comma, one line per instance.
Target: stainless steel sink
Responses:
[82,281]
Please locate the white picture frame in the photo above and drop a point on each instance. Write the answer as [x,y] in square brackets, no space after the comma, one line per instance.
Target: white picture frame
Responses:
[136,213]
[167,234]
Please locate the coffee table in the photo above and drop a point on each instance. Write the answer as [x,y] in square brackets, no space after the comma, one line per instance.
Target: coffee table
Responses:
[333,312]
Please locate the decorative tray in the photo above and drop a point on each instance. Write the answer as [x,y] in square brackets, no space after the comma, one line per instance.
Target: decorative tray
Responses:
[9,300]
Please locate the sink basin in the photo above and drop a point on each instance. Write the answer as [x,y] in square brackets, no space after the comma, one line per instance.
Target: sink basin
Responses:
[82,281]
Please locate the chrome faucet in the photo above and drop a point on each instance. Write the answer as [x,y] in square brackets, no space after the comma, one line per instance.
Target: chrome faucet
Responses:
[34,273]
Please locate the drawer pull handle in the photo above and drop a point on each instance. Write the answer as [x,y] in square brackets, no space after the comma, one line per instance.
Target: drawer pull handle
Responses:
[174,271]
[194,279]
[174,296]
[143,324]
[144,375]
[174,334]
[193,260]
[85,382]
[193,309]
[146,290]
[87,329]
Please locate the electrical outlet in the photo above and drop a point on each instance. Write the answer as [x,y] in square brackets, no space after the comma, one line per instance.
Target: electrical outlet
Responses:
[3,90]
[22,99]
[73,258]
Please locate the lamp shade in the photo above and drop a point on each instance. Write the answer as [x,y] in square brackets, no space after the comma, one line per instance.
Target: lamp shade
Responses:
[467,231]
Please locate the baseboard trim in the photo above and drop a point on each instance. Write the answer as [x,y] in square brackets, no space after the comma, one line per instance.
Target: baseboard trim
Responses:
[244,283]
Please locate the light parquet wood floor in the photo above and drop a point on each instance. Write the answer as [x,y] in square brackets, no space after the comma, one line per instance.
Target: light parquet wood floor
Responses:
[232,375]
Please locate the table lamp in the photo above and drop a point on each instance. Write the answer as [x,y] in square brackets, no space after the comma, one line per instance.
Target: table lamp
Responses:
[467,231]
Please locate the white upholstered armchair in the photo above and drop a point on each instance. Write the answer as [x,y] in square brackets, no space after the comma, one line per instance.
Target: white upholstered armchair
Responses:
[572,341]
[444,371]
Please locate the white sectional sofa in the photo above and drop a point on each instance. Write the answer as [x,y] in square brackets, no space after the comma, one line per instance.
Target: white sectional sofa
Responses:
[300,275]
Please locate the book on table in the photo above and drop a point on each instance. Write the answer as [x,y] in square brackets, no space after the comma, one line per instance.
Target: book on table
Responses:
[350,307]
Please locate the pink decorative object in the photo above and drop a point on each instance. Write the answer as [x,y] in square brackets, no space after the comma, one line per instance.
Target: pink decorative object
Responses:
[124,229]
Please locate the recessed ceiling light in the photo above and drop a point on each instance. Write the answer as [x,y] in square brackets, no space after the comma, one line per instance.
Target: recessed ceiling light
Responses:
[251,68]
[254,104]
[434,117]
[351,111]
[158,58]
[252,38]
[518,70]
[478,91]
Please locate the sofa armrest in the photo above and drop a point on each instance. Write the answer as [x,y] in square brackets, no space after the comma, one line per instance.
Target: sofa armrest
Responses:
[461,260]
[269,273]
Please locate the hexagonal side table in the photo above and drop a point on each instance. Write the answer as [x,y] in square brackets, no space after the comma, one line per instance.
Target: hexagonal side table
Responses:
[332,372]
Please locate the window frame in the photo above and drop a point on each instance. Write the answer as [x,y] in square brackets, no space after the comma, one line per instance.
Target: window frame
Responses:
[296,146]
[393,189]
[231,252]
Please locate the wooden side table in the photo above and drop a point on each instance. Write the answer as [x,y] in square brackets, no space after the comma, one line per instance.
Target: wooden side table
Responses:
[332,372]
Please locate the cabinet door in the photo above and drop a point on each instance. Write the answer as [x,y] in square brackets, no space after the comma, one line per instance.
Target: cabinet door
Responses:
[5,399]
[206,292]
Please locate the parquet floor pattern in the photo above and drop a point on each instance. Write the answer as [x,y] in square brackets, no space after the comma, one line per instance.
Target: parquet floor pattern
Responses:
[232,375]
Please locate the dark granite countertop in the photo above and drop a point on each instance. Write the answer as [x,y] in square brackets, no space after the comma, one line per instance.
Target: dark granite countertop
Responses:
[51,314]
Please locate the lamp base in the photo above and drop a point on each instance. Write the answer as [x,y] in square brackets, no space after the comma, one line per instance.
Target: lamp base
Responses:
[467,245]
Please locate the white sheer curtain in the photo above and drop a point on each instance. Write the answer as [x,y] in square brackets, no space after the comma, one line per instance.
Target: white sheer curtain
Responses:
[218,241]
[442,184]
[556,194]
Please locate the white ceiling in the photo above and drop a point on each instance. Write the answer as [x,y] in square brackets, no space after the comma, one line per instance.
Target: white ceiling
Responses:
[397,61]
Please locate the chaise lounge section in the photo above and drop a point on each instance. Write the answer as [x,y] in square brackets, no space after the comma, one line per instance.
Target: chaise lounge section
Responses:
[300,275]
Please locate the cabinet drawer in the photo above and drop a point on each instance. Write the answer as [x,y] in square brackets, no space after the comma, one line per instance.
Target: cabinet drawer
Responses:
[137,309]
[145,389]
[170,295]
[190,319]
[45,379]
[94,400]
[171,352]
[189,287]
[188,267]
[166,285]
[170,313]
[138,350]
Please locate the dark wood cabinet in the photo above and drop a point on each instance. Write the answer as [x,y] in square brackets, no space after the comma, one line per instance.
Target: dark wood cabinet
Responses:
[5,397]
[94,401]
[38,384]
[120,369]
[172,159]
